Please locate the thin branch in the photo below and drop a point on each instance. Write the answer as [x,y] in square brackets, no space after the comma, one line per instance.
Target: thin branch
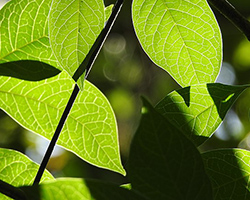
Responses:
[86,65]
[225,8]
[56,135]
[11,191]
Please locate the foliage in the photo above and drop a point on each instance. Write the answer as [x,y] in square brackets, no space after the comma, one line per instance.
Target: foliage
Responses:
[43,43]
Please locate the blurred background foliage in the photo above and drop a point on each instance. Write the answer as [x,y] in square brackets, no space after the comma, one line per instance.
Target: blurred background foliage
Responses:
[123,72]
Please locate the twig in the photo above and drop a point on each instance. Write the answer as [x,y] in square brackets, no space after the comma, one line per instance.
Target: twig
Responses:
[56,135]
[225,8]
[11,191]
[95,49]
[86,65]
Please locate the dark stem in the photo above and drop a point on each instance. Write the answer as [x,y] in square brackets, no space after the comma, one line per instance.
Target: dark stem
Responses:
[56,135]
[11,191]
[225,8]
[86,65]
[95,49]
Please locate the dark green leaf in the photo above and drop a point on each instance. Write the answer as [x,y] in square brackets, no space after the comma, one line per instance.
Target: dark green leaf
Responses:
[163,163]
[79,189]
[28,70]
[229,172]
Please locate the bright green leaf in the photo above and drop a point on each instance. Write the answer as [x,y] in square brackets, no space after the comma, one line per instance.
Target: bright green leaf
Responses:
[24,32]
[90,130]
[108,11]
[73,28]
[18,170]
[182,37]
[163,163]
[198,110]
[73,189]
[229,172]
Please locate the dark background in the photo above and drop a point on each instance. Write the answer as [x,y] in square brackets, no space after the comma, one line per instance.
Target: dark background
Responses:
[123,72]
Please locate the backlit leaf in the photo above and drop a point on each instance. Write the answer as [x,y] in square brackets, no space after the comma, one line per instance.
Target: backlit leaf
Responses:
[73,28]
[18,170]
[24,32]
[180,36]
[198,110]
[90,130]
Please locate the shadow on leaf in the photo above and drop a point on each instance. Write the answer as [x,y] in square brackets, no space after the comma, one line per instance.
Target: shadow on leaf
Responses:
[228,170]
[28,70]
[198,110]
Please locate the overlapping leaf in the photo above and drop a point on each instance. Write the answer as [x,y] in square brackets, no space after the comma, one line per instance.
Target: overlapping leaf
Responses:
[229,172]
[72,189]
[198,110]
[163,163]
[182,37]
[90,130]
[18,170]
[24,32]
[73,28]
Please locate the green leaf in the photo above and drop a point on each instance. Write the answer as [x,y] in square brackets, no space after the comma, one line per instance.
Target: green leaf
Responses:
[28,70]
[24,32]
[163,163]
[182,37]
[18,170]
[72,189]
[229,172]
[73,28]
[198,110]
[108,11]
[90,130]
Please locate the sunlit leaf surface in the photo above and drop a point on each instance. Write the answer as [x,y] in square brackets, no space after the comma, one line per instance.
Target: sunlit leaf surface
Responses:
[90,130]
[180,36]
[198,110]
[18,170]
[73,28]
[24,32]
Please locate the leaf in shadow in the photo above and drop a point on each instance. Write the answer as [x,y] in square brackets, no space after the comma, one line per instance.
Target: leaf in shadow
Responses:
[76,188]
[229,172]
[28,70]
[198,110]
[163,163]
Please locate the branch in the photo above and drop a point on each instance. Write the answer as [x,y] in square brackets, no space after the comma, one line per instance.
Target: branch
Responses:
[56,135]
[86,65]
[225,8]
[11,191]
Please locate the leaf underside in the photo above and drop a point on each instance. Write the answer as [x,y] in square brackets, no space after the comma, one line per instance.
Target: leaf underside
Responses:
[182,37]
[24,32]
[90,130]
[73,28]
[18,170]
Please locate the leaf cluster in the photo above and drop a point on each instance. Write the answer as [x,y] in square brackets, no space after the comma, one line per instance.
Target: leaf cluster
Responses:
[42,46]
